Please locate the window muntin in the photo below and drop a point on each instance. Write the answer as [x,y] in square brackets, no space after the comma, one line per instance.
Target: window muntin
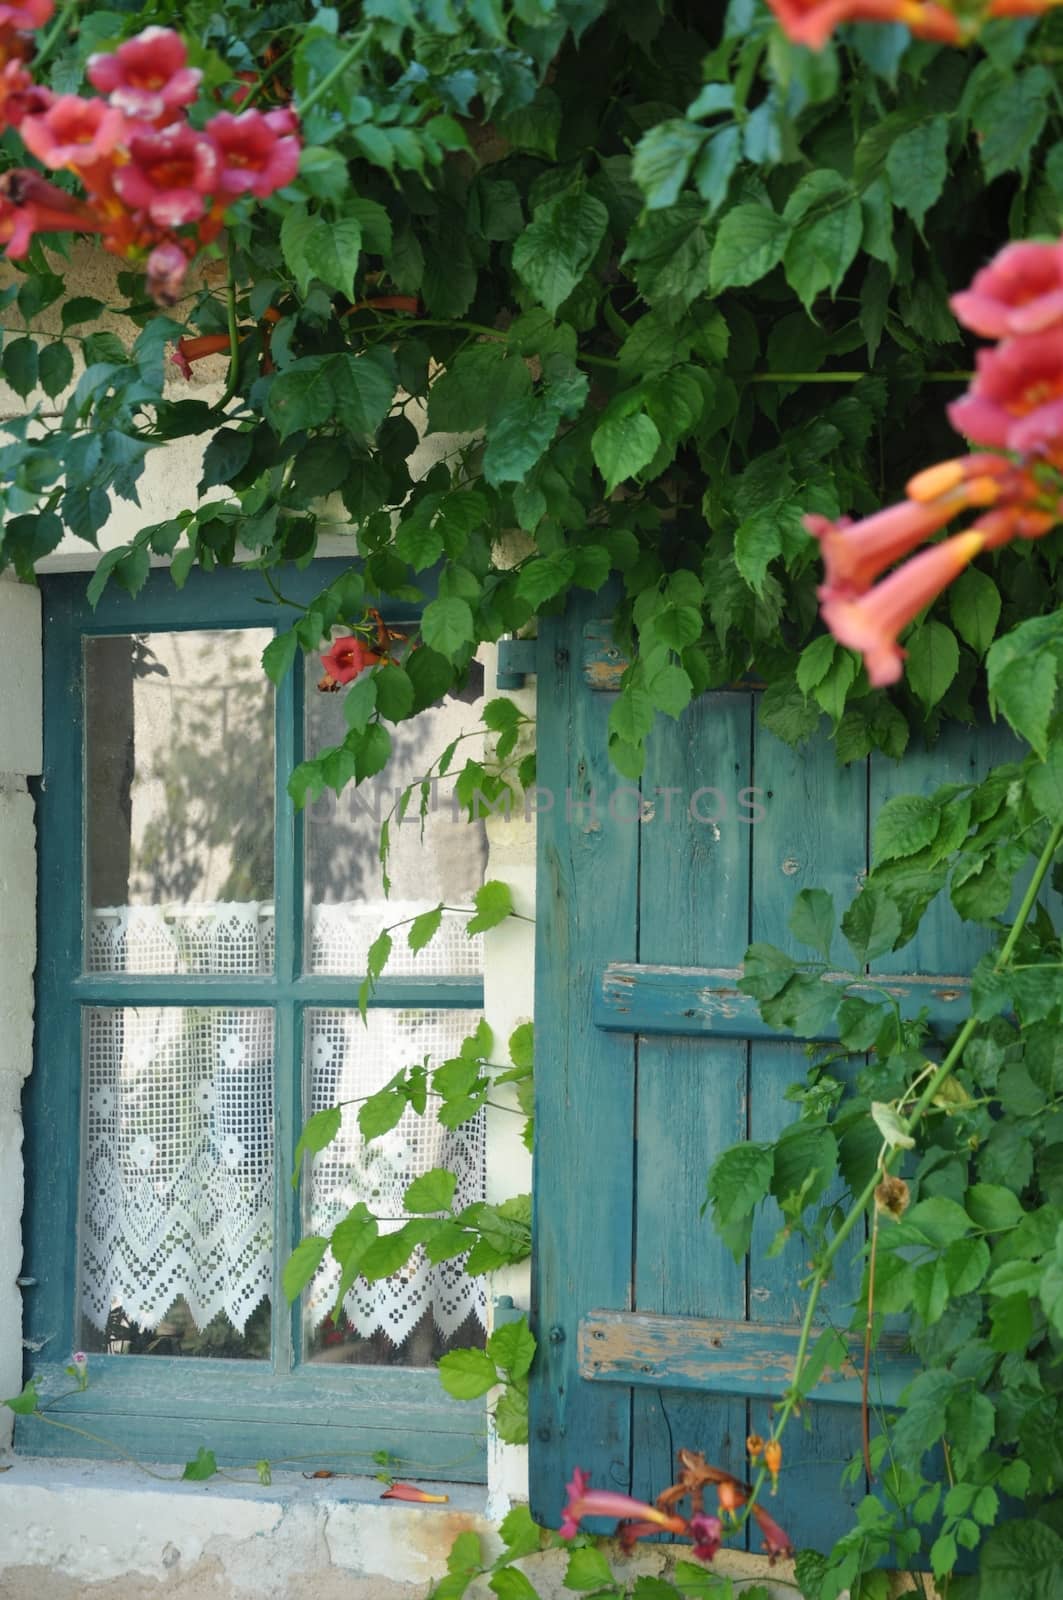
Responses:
[285,1406]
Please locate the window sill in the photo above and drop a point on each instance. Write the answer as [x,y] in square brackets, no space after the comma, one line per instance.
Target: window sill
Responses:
[94,1521]
[59,1475]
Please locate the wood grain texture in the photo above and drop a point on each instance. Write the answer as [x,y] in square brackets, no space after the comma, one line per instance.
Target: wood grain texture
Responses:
[721,1357]
[692,1094]
[700,1001]
[814,833]
[583,1188]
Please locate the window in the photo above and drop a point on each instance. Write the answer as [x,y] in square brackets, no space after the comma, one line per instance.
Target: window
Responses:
[201,948]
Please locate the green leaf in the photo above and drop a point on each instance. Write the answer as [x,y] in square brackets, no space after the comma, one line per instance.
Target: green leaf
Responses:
[26,1403]
[933,661]
[1008,117]
[494,903]
[381,1112]
[1023,669]
[467,1374]
[363,388]
[320,1130]
[432,1191]
[389,1252]
[750,241]
[872,924]
[696,1583]
[424,928]
[917,165]
[719,157]
[758,540]
[1021,1560]
[1045,783]
[302,1264]
[555,250]
[904,826]
[522,1046]
[974,606]
[519,1534]
[56,368]
[623,445]
[204,1465]
[812,920]
[587,1569]
[20,365]
[394,693]
[80,308]
[511,1413]
[511,1584]
[663,158]
[447,626]
[512,1347]
[815,663]
[301,396]
[824,213]
[766,971]
[993,1207]
[517,437]
[279,655]
[738,1180]
[331,251]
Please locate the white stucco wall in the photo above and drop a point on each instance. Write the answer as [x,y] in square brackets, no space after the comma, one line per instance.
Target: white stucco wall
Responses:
[79,1529]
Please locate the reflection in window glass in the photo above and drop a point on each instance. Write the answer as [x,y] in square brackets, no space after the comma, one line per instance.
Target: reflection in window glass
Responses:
[346,904]
[422,1310]
[176,1252]
[179,774]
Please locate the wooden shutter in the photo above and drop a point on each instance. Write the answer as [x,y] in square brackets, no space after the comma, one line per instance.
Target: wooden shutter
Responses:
[650,1062]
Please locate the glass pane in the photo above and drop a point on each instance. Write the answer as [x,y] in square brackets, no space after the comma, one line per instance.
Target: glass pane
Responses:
[411,1318]
[347,908]
[179,803]
[177,1181]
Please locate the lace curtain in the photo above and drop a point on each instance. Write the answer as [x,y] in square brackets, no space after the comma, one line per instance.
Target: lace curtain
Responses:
[178,1158]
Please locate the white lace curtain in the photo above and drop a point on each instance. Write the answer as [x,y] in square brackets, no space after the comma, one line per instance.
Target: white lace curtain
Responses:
[178,1152]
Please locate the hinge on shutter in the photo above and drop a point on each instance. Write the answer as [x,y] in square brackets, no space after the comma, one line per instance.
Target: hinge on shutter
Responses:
[516,662]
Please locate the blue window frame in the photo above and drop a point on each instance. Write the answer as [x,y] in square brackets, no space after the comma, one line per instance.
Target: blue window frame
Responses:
[160,1407]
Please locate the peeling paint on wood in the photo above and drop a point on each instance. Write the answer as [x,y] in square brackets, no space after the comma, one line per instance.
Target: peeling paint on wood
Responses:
[651,1000]
[727,1358]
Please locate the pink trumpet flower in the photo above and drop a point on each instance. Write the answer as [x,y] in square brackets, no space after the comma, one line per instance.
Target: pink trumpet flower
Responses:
[1020,291]
[29,204]
[776,1541]
[871,622]
[1016,399]
[73,132]
[410,1491]
[148,76]
[855,554]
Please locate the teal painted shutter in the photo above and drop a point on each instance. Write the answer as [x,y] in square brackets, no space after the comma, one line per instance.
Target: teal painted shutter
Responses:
[649,1063]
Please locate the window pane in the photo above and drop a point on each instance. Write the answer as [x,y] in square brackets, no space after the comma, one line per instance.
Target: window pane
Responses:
[177,1181]
[347,908]
[411,1318]
[179,803]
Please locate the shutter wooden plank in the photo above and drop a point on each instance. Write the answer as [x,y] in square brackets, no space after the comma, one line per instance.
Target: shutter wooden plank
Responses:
[691,1094]
[583,1188]
[813,835]
[632,997]
[717,1356]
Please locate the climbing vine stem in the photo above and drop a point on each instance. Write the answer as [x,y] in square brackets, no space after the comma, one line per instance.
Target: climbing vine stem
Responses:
[794,1395]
